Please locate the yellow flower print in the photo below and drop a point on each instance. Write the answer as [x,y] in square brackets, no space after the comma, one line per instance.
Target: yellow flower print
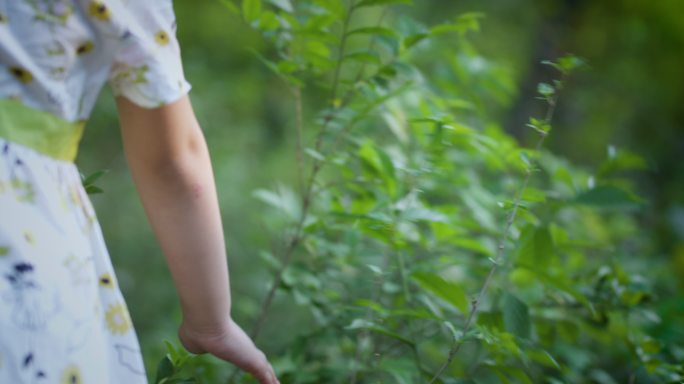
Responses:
[106,280]
[71,375]
[28,236]
[161,37]
[99,10]
[84,48]
[118,319]
[21,74]
[3,18]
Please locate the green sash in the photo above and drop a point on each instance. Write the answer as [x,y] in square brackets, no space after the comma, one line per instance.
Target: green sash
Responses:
[41,131]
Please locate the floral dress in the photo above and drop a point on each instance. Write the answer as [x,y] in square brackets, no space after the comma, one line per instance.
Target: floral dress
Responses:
[62,316]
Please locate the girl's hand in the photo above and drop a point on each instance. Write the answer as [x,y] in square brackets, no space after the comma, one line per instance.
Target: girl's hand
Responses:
[232,344]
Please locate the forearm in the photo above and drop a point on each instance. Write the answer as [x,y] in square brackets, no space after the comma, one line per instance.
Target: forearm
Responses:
[170,164]
[176,185]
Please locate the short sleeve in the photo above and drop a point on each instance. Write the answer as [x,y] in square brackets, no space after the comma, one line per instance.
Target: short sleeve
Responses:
[147,67]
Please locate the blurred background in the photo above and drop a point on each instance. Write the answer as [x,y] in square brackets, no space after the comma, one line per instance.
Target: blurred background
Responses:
[631,96]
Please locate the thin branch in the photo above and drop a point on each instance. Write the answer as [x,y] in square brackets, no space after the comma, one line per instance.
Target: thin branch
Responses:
[297,92]
[307,194]
[501,247]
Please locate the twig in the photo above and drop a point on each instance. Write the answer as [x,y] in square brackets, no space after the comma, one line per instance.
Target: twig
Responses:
[501,246]
[307,196]
[297,91]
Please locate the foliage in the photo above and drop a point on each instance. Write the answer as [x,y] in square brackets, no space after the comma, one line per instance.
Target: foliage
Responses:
[418,229]
[89,182]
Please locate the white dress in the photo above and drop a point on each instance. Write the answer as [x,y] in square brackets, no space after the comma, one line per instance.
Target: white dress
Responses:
[62,316]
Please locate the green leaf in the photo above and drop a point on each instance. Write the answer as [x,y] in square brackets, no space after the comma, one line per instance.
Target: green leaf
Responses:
[542,357]
[609,197]
[284,200]
[363,57]
[230,6]
[181,380]
[397,124]
[402,370]
[621,161]
[518,374]
[412,40]
[165,369]
[376,31]
[473,244]
[285,5]
[545,89]
[446,290]
[566,64]
[317,48]
[370,3]
[314,154]
[94,177]
[536,247]
[268,21]
[538,125]
[522,277]
[533,195]
[286,66]
[251,9]
[278,69]
[173,352]
[92,190]
[370,157]
[455,335]
[365,324]
[466,22]
[516,316]
[273,262]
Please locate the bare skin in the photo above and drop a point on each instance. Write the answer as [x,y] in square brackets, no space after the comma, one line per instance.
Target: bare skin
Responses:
[171,168]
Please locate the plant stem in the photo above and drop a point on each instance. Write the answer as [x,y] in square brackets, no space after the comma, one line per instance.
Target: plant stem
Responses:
[297,91]
[501,246]
[307,192]
[369,316]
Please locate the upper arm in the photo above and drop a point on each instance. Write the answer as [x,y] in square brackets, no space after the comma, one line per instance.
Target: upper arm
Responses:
[159,137]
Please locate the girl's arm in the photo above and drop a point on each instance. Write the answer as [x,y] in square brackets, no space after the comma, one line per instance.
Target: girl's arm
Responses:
[171,168]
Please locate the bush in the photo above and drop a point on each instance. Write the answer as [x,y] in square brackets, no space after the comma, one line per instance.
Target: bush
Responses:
[426,243]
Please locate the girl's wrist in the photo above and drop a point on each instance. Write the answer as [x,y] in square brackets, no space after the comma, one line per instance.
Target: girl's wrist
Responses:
[209,327]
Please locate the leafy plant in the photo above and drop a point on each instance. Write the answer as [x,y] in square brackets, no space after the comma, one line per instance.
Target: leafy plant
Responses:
[418,230]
